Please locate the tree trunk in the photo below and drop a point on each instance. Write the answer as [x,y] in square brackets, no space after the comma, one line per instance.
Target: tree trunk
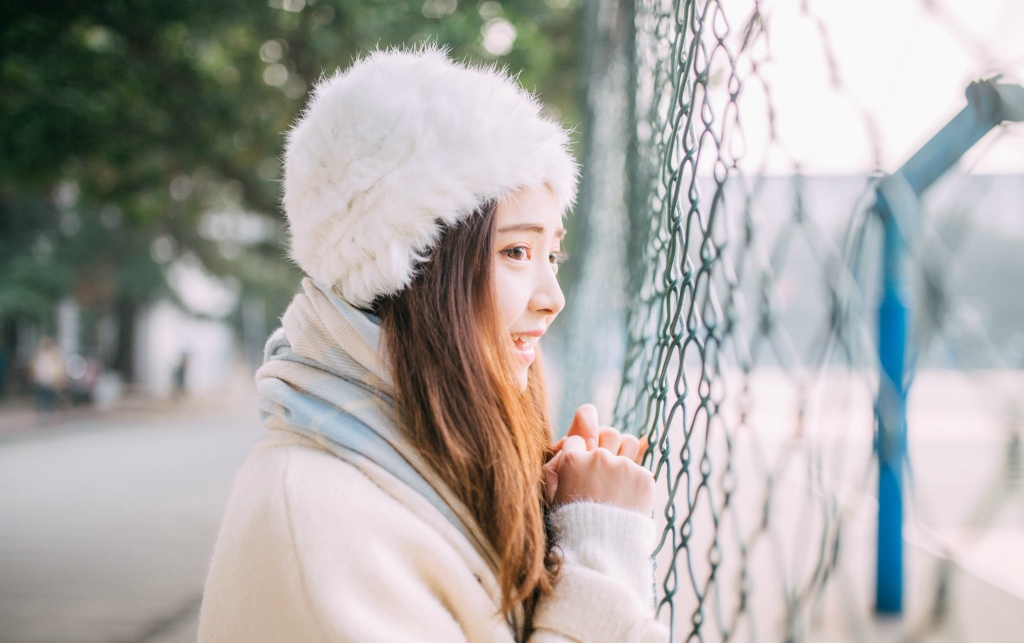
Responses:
[124,359]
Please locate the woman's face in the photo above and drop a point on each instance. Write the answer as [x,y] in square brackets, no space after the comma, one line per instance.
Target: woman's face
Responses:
[528,235]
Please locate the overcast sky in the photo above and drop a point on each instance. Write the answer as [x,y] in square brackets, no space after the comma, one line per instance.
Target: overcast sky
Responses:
[903,63]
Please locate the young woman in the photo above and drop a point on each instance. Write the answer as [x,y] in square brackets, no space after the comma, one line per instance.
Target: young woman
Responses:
[409,490]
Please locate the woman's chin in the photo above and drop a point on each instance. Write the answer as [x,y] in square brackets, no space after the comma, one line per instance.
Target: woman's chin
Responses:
[523,379]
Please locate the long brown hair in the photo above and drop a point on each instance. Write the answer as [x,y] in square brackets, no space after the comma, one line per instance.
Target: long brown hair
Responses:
[463,407]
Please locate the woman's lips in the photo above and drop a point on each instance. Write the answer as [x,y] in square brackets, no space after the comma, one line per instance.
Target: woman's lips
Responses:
[524,349]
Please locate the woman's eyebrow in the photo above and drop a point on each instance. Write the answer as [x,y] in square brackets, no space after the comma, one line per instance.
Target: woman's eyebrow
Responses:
[530,227]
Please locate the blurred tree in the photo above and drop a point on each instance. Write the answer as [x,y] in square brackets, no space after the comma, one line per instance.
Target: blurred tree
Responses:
[125,123]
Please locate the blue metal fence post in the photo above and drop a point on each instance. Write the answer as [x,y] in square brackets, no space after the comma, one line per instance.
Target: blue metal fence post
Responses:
[891,409]
[988,104]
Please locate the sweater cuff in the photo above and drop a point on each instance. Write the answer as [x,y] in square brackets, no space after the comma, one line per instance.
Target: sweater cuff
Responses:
[610,540]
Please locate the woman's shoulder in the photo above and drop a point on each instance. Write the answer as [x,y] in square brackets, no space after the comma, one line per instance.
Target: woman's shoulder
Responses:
[287,463]
[304,527]
[294,485]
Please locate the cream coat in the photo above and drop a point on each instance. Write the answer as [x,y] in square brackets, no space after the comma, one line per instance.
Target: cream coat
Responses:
[313,549]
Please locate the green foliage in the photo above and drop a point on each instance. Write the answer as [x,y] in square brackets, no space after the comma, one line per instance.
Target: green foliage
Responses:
[126,121]
[30,286]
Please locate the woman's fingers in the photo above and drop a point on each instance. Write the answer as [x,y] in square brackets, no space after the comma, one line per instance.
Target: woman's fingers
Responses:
[643,449]
[551,475]
[573,443]
[629,447]
[584,425]
[609,439]
[568,444]
[623,444]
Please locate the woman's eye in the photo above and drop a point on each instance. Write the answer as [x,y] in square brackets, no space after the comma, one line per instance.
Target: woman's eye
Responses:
[556,259]
[517,253]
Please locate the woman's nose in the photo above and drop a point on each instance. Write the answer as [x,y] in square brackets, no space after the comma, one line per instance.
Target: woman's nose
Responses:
[547,294]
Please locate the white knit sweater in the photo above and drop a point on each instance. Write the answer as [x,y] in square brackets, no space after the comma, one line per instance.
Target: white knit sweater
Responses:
[313,549]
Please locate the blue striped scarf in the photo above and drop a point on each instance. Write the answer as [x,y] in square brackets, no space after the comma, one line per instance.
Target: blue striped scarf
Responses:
[323,378]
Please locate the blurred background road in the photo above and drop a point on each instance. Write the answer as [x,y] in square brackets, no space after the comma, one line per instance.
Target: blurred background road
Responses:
[108,520]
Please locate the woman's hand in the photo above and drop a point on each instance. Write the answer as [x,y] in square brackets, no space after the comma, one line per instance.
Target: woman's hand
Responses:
[600,465]
[585,425]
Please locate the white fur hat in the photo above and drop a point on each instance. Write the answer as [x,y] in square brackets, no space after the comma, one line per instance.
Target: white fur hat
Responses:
[400,145]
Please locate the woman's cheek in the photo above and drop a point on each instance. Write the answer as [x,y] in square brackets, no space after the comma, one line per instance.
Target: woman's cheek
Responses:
[513,296]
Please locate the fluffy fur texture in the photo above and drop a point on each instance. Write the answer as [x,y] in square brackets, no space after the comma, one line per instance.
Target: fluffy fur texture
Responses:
[399,145]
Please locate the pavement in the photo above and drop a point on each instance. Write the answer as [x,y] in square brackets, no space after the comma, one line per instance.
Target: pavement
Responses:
[108,519]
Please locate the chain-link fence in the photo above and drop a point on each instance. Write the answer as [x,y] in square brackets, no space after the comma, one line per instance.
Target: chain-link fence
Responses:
[751,282]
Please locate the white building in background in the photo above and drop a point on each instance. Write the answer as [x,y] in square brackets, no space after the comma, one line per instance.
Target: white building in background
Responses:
[164,333]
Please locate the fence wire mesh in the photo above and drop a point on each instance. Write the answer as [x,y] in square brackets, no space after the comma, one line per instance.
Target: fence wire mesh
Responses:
[751,276]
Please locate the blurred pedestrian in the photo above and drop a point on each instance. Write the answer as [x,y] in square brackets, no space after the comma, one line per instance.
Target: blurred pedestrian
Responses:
[48,375]
[83,372]
[5,365]
[409,490]
[180,376]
